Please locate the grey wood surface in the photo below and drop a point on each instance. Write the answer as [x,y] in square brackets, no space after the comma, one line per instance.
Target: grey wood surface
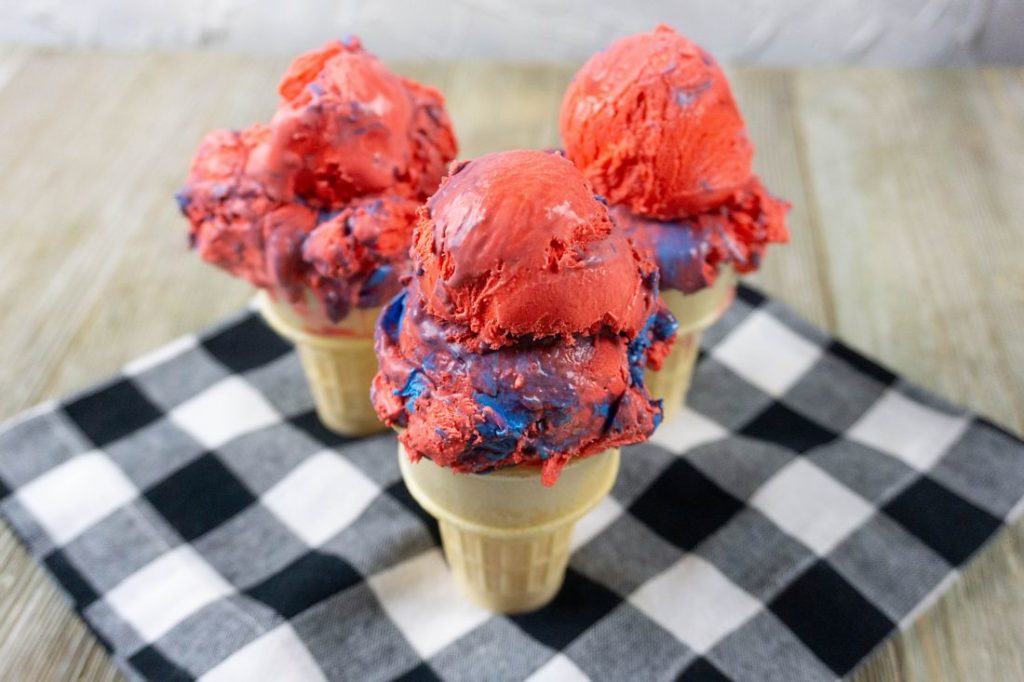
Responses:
[907,242]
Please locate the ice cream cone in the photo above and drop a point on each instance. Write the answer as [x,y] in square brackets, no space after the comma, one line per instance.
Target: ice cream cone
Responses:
[695,312]
[505,535]
[339,367]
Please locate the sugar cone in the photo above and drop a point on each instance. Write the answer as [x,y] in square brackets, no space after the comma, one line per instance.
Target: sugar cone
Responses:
[695,312]
[506,536]
[339,368]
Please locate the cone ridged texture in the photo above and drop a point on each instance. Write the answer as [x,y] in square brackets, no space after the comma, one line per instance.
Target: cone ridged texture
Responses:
[340,379]
[507,575]
[695,312]
[506,536]
[339,370]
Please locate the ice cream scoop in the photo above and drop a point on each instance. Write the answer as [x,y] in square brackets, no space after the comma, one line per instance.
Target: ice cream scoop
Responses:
[523,334]
[320,203]
[317,209]
[516,244]
[347,126]
[691,250]
[226,207]
[359,256]
[653,125]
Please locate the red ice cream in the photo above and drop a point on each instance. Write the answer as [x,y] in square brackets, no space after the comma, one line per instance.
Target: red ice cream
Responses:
[347,126]
[690,250]
[359,256]
[322,199]
[515,244]
[653,125]
[522,336]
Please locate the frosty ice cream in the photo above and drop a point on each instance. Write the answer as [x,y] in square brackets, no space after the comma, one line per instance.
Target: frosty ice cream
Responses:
[347,126]
[691,250]
[515,244]
[653,125]
[523,334]
[317,207]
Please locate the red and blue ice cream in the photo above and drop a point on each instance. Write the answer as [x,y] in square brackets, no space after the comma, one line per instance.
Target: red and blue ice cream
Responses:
[653,125]
[523,333]
[318,206]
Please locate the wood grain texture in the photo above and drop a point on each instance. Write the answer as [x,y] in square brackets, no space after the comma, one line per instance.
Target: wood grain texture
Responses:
[906,191]
[917,177]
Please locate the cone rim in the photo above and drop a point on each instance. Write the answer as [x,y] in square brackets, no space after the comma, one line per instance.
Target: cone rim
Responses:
[574,515]
[727,279]
[298,335]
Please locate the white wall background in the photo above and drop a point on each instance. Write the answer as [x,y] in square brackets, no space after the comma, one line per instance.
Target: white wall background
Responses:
[906,32]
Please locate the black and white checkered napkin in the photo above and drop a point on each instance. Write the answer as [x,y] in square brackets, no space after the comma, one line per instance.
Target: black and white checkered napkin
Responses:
[807,505]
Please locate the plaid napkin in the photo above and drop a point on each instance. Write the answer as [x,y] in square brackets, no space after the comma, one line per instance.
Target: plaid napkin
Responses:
[807,505]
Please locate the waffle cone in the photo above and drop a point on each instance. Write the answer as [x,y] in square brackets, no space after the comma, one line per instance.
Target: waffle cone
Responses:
[339,368]
[505,535]
[695,312]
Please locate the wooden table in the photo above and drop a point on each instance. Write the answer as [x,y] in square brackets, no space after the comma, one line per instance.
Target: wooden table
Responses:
[908,242]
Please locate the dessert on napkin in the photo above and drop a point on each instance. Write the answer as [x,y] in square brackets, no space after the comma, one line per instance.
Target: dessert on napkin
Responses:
[522,337]
[316,209]
[513,366]
[652,124]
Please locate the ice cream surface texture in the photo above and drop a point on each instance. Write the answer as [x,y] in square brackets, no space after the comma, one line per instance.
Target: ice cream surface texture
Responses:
[653,125]
[517,245]
[523,334]
[323,198]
